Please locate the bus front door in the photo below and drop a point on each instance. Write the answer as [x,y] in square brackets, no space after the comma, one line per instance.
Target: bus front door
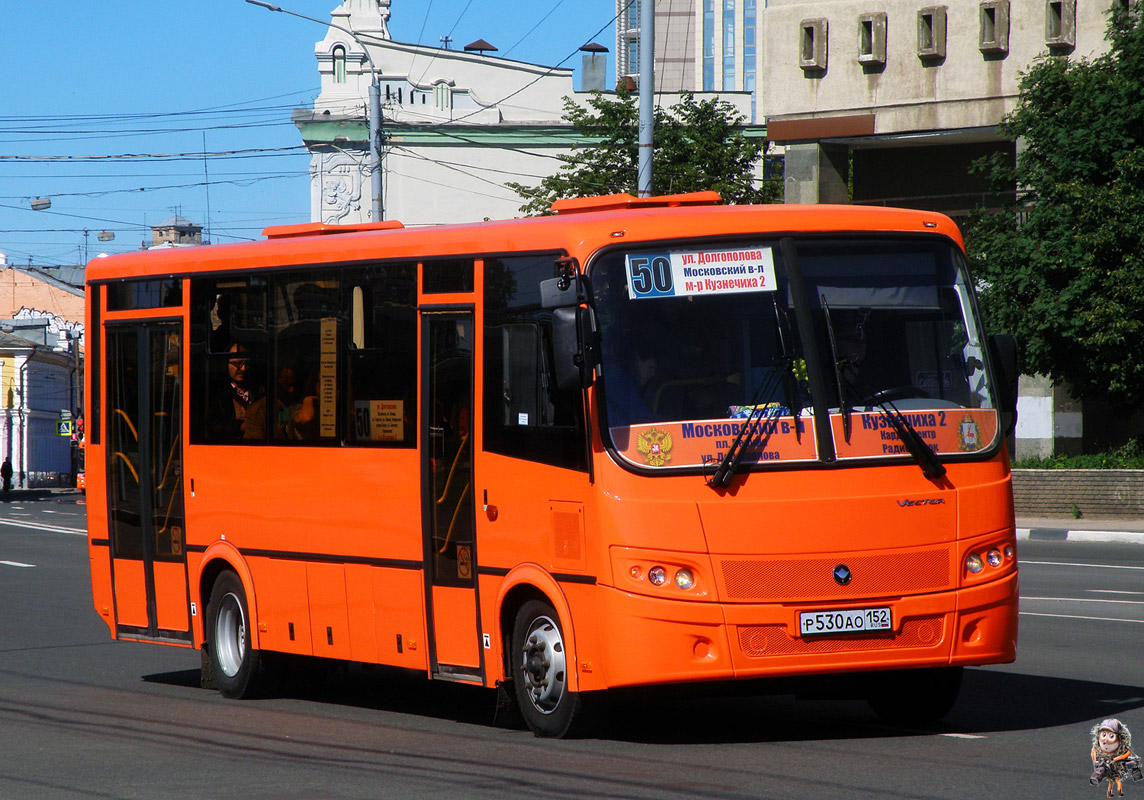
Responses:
[145,481]
[447,492]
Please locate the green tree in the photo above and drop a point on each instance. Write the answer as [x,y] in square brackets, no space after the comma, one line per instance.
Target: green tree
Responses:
[699,146]
[1063,269]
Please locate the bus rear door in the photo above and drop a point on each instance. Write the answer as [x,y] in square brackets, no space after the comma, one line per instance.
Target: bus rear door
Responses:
[447,492]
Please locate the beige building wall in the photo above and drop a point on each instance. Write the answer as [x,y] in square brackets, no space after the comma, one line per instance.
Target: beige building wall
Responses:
[19,290]
[974,85]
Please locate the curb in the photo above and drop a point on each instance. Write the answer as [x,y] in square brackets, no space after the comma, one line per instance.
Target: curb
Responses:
[1069,535]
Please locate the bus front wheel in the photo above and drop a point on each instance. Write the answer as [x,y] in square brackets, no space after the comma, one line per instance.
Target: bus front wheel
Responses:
[540,665]
[234,663]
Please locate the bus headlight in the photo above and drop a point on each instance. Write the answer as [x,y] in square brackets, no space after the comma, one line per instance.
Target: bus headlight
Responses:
[657,575]
[993,558]
[974,564]
[684,579]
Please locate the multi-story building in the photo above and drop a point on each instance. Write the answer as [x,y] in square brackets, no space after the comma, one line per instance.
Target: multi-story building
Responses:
[676,27]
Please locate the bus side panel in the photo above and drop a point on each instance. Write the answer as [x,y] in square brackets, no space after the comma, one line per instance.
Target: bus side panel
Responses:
[283,605]
[360,611]
[171,596]
[99,557]
[400,618]
[130,594]
[329,620]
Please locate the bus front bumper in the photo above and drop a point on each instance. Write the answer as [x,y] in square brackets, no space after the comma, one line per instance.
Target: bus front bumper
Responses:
[647,640]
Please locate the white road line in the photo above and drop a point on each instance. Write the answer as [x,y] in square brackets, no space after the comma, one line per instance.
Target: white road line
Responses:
[1111,591]
[16,564]
[962,735]
[1068,564]
[40,527]
[1074,616]
[1087,600]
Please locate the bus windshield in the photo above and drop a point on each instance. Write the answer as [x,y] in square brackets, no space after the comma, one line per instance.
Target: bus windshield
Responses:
[699,340]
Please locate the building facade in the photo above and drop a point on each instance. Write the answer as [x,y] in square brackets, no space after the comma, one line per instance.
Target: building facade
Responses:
[457,125]
[676,27]
[41,374]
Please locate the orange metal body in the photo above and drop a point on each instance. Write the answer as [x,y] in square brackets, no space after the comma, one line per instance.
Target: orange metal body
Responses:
[327,540]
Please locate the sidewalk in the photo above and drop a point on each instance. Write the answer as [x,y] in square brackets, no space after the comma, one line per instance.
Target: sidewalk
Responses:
[47,492]
[1061,529]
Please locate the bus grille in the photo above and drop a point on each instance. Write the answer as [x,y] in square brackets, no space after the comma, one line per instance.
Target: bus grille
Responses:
[812,578]
[757,641]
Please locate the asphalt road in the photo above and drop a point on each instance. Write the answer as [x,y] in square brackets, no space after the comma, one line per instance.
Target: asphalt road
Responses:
[84,717]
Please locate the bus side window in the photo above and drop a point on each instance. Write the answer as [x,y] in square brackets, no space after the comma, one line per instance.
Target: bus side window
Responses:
[228,358]
[525,414]
[381,406]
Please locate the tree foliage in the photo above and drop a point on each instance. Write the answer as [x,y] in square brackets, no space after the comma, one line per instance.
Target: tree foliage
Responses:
[1064,268]
[698,146]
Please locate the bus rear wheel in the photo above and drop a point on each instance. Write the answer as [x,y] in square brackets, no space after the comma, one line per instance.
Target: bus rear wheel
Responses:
[234,663]
[540,667]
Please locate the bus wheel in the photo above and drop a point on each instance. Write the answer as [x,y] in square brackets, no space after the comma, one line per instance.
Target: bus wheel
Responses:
[540,671]
[234,664]
[915,696]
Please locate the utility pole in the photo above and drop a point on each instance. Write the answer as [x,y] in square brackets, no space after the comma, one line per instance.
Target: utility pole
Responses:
[374,106]
[647,93]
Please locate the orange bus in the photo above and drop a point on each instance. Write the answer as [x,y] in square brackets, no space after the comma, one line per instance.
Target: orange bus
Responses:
[640,441]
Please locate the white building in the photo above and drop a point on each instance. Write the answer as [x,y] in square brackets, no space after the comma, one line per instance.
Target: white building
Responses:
[458,125]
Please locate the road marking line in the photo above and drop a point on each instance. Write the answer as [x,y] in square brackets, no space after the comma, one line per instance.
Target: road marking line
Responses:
[1111,591]
[1075,616]
[962,735]
[1068,564]
[1088,600]
[16,564]
[39,527]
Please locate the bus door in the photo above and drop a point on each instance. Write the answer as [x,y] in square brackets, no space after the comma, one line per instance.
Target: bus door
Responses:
[145,480]
[447,494]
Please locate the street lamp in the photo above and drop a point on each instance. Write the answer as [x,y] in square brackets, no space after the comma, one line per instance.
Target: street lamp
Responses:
[374,106]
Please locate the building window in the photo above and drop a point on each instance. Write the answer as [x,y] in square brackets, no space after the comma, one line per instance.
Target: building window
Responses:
[931,33]
[708,45]
[728,45]
[994,30]
[812,45]
[1060,24]
[872,39]
[750,12]
[339,64]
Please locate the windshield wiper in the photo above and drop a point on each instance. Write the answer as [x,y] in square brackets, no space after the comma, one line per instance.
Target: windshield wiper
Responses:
[730,463]
[782,325]
[926,458]
[843,405]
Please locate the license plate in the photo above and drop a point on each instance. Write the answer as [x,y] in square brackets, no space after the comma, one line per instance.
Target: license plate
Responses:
[850,620]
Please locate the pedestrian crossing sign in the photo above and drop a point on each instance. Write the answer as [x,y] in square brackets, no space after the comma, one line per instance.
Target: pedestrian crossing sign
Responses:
[64,427]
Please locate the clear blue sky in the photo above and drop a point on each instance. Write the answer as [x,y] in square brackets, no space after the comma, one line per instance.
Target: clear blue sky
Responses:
[83,78]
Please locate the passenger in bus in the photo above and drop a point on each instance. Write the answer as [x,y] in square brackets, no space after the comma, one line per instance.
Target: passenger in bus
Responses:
[628,387]
[232,398]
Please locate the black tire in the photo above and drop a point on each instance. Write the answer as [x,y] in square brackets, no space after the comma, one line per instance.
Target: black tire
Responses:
[234,663]
[540,669]
[916,696]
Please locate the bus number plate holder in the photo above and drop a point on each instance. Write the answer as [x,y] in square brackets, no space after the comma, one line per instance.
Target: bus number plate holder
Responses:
[845,621]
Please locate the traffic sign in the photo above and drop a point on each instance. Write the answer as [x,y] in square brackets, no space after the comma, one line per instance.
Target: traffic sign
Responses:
[64,427]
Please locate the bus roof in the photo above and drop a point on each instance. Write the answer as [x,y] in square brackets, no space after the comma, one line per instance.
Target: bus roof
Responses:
[580,227]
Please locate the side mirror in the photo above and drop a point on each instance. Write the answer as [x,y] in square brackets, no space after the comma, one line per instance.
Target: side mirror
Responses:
[573,333]
[1003,350]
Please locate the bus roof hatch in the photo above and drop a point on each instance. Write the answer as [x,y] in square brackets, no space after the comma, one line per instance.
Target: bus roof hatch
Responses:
[617,202]
[322,229]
